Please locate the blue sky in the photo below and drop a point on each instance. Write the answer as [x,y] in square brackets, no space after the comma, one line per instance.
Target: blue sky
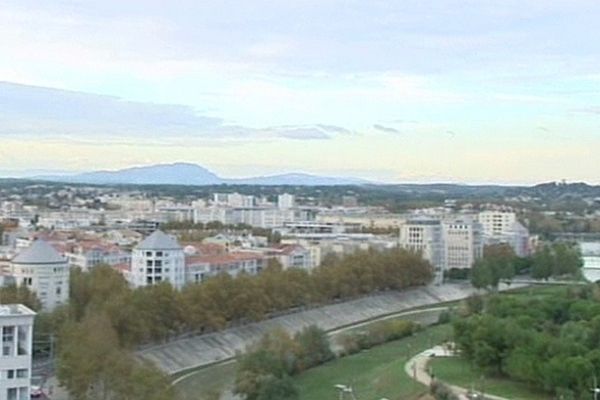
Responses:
[397,91]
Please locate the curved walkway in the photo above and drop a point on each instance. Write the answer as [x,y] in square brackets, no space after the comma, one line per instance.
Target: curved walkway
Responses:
[417,369]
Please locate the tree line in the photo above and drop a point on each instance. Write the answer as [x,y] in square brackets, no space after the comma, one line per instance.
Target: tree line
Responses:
[551,342]
[500,263]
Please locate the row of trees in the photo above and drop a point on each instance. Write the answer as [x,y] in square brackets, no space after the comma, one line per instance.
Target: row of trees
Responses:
[550,342]
[159,312]
[500,263]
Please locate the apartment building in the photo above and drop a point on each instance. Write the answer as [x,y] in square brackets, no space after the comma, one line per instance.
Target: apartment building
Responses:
[16,325]
[285,201]
[158,258]
[200,267]
[503,227]
[91,253]
[44,271]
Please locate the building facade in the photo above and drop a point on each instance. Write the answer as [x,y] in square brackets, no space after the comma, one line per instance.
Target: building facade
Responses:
[463,243]
[158,258]
[16,325]
[44,271]
[426,237]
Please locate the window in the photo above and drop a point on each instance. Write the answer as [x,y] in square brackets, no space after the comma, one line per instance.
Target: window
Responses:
[10,374]
[11,394]
[22,373]
[23,343]
[159,254]
[149,263]
[58,291]
[158,263]
[148,254]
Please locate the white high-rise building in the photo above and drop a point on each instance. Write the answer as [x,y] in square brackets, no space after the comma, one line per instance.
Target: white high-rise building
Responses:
[158,258]
[463,243]
[503,227]
[44,271]
[285,201]
[496,223]
[426,237]
[16,325]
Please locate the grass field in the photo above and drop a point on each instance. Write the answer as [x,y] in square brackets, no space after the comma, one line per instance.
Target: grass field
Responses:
[458,371]
[374,374]
[213,379]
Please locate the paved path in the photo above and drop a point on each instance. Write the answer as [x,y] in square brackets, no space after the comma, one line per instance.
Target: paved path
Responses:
[417,368]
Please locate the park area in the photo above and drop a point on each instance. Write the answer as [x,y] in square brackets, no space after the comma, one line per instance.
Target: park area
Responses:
[374,374]
[457,371]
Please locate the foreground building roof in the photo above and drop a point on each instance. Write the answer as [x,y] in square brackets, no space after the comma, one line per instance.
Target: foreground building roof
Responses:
[40,252]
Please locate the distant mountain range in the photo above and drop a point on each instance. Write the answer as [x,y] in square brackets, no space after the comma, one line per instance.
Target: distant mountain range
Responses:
[192,174]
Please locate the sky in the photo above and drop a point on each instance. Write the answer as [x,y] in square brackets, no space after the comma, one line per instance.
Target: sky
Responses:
[393,91]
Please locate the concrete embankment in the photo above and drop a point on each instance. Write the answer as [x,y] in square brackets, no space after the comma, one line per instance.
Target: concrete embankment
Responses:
[203,350]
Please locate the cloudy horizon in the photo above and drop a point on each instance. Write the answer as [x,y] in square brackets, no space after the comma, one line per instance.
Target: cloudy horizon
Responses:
[450,91]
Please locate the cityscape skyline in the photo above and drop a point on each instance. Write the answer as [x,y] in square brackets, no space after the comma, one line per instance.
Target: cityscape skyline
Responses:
[446,92]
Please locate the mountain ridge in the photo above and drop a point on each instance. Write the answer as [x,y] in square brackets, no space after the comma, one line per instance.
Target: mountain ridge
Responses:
[181,173]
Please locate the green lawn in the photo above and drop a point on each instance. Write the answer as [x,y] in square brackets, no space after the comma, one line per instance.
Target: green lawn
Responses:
[458,371]
[200,385]
[375,373]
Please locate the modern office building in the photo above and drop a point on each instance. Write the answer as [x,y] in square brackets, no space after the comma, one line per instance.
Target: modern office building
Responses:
[425,236]
[16,324]
[463,242]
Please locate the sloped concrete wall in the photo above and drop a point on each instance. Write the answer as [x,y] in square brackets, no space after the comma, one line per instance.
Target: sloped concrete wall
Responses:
[202,350]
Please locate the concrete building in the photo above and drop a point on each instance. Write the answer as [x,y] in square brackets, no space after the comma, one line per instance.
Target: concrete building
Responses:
[285,201]
[16,324]
[503,227]
[463,242]
[158,258]
[44,271]
[425,236]
[497,223]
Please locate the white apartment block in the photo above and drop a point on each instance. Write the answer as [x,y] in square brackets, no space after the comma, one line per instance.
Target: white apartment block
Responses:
[44,271]
[16,325]
[425,236]
[463,243]
[285,201]
[496,223]
[158,258]
[262,217]
[503,227]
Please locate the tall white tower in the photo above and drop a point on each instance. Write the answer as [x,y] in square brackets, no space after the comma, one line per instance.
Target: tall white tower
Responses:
[158,258]
[16,326]
[43,270]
